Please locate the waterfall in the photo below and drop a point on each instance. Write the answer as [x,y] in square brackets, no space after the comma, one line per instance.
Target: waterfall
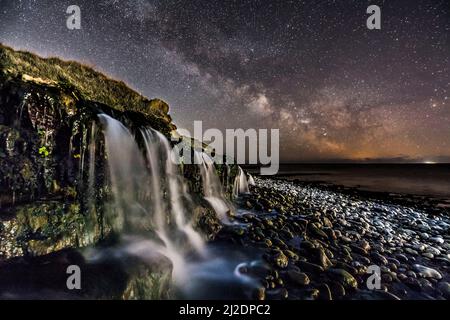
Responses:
[126,172]
[212,188]
[251,181]
[149,193]
[91,176]
[240,183]
[150,207]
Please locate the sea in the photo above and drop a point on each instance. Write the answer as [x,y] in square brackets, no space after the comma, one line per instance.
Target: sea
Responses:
[432,180]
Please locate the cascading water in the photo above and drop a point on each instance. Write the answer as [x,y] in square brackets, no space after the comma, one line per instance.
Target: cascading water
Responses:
[212,189]
[162,165]
[126,172]
[240,183]
[147,198]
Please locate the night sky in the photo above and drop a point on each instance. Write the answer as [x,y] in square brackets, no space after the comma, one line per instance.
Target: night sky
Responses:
[312,68]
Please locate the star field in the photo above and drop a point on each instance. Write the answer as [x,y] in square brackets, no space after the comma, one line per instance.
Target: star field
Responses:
[335,89]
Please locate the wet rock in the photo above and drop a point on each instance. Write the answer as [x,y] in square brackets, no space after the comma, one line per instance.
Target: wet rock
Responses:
[402,258]
[316,231]
[386,277]
[413,283]
[260,293]
[330,233]
[444,288]
[365,260]
[337,290]
[411,274]
[298,278]
[378,258]
[319,257]
[433,251]
[376,295]
[419,247]
[324,292]
[268,243]
[277,294]
[291,255]
[428,255]
[307,245]
[343,277]
[310,267]
[402,277]
[327,223]
[393,262]
[438,240]
[240,231]
[312,294]
[280,259]
[411,251]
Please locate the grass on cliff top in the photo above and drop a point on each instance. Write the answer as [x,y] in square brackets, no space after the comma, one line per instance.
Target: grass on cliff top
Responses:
[77,77]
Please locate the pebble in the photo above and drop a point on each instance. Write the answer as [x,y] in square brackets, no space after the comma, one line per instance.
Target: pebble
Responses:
[444,288]
[322,259]
[345,278]
[427,272]
[379,258]
[310,267]
[439,240]
[428,255]
[333,238]
[411,251]
[280,260]
[325,292]
[337,290]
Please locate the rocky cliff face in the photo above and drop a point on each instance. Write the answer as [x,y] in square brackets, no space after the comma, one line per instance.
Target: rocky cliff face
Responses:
[52,185]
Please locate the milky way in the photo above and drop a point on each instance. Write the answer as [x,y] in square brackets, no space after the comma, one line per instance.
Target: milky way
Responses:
[312,68]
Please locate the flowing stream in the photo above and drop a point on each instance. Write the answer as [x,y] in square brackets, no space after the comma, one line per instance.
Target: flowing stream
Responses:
[212,188]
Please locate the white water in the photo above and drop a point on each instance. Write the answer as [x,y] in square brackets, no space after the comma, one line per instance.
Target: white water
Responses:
[162,168]
[151,206]
[150,196]
[127,175]
[240,183]
[212,188]
[91,177]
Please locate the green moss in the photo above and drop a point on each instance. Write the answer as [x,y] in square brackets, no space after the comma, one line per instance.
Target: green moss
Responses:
[44,227]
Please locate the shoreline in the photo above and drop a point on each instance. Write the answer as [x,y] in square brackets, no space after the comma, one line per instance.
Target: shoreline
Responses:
[426,201]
